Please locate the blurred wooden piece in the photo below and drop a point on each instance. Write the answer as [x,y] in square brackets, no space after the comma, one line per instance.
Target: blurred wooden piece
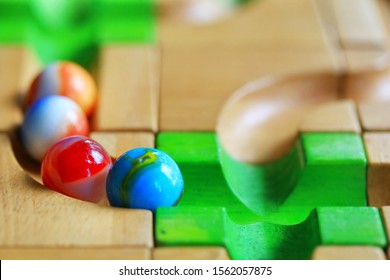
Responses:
[338,116]
[375,116]
[116,143]
[33,216]
[190,253]
[386,222]
[128,88]
[10,69]
[367,86]
[348,253]
[378,173]
[260,122]
[325,11]
[362,34]
[18,66]
[204,64]
[75,253]
[360,23]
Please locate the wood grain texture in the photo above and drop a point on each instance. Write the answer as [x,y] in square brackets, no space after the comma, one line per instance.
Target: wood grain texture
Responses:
[362,34]
[360,24]
[190,253]
[334,116]
[33,216]
[15,73]
[326,14]
[348,253]
[266,135]
[128,88]
[367,86]
[117,143]
[378,173]
[204,64]
[375,116]
[75,253]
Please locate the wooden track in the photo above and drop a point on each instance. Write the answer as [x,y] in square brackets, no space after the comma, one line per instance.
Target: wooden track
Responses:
[181,82]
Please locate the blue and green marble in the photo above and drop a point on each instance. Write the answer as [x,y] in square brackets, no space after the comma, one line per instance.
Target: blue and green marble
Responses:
[144,178]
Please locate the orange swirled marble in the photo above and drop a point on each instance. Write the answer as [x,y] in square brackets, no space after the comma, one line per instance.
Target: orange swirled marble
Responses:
[68,79]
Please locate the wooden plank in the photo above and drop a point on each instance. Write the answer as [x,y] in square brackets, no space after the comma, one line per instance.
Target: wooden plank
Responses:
[204,64]
[378,173]
[374,116]
[17,67]
[190,253]
[360,24]
[348,253]
[117,143]
[339,116]
[128,88]
[10,67]
[386,222]
[362,34]
[33,216]
[327,16]
[75,253]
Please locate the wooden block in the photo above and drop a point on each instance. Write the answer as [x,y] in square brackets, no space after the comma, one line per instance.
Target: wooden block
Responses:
[197,157]
[360,24]
[18,66]
[334,174]
[190,253]
[375,115]
[348,253]
[210,212]
[386,222]
[362,34]
[204,65]
[356,33]
[34,216]
[339,116]
[326,14]
[369,88]
[351,226]
[378,173]
[260,122]
[128,88]
[75,253]
[117,143]
[328,148]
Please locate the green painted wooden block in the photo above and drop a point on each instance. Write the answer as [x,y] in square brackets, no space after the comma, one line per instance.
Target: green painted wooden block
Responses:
[266,240]
[334,175]
[14,18]
[74,30]
[351,226]
[211,214]
[330,148]
[263,188]
[323,169]
[196,155]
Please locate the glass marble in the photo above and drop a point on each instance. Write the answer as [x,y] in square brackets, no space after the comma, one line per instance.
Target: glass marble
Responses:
[47,121]
[144,178]
[77,166]
[67,79]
